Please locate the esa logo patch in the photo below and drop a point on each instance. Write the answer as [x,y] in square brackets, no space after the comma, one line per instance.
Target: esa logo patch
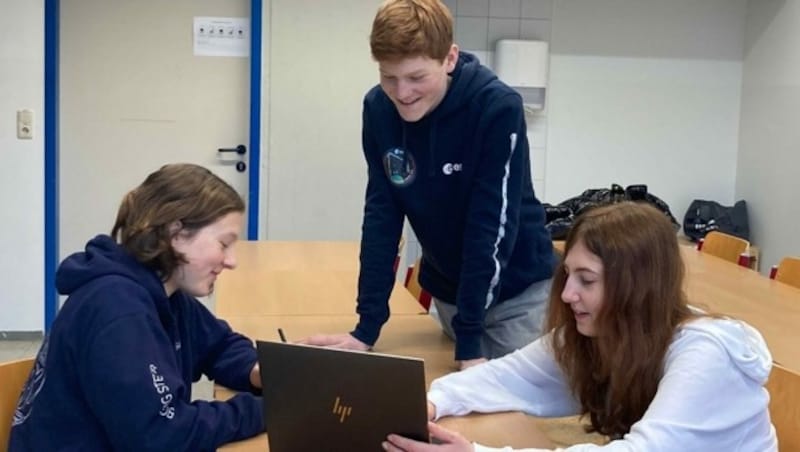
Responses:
[450,168]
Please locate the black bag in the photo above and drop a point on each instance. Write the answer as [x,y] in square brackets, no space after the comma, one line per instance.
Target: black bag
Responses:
[559,218]
[704,216]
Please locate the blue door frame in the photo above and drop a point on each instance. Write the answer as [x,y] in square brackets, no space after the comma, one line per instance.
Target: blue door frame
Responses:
[51,140]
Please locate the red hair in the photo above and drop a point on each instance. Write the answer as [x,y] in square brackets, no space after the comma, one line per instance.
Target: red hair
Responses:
[410,28]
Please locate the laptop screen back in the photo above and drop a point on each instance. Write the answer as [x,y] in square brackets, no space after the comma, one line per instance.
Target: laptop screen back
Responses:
[326,399]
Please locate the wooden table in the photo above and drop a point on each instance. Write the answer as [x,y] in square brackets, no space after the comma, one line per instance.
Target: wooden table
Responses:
[498,430]
[297,278]
[273,255]
[772,307]
[319,278]
[408,335]
[308,288]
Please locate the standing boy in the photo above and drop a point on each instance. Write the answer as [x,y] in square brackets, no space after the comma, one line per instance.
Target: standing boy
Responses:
[446,147]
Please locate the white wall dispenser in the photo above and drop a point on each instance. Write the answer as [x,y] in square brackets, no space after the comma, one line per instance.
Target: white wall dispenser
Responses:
[523,65]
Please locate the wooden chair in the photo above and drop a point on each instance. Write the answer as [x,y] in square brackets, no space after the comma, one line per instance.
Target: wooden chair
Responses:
[784,406]
[725,246]
[788,271]
[13,375]
[412,284]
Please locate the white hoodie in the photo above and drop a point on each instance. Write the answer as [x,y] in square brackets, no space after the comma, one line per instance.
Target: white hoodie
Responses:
[711,396]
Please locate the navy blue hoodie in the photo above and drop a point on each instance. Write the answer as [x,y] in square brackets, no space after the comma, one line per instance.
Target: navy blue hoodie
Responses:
[116,369]
[462,177]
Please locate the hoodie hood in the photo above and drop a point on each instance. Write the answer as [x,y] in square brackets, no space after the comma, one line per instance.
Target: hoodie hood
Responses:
[744,344]
[104,257]
[468,77]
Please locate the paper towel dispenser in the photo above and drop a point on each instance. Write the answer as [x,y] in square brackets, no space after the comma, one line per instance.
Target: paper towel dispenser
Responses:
[523,65]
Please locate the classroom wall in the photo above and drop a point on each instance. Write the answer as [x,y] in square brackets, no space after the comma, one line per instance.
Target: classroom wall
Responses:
[769,151]
[645,91]
[641,91]
[21,167]
[478,27]
[319,70]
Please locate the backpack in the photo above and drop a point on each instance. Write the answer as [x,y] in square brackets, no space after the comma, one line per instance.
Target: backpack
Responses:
[559,218]
[704,216]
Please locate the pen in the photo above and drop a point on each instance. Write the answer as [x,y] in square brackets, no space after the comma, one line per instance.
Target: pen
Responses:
[280,333]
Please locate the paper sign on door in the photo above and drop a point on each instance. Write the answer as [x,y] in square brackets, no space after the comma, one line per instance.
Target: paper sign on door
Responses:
[222,36]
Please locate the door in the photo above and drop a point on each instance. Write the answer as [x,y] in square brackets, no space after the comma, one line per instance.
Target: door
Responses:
[134,97]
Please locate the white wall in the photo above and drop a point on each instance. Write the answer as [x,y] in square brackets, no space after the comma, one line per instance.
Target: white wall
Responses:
[479,24]
[769,153]
[319,70]
[21,167]
[641,91]
[645,91]
[131,102]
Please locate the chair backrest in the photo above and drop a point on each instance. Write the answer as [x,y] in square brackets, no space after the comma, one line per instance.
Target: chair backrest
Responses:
[784,406]
[789,271]
[724,246]
[13,375]
[412,284]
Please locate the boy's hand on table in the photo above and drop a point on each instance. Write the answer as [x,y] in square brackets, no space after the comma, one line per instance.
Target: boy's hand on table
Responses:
[343,341]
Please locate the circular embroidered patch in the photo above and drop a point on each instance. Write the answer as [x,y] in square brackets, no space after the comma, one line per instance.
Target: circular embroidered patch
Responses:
[400,167]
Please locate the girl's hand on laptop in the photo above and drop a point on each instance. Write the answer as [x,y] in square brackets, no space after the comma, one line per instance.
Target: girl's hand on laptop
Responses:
[447,441]
[431,411]
[343,341]
[255,376]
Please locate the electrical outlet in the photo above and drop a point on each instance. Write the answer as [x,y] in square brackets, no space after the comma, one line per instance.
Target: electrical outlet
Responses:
[25,124]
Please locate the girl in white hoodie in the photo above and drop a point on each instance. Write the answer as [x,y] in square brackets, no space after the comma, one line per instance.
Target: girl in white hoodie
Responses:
[625,350]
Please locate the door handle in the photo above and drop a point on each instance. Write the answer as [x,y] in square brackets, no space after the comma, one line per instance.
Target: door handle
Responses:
[240,149]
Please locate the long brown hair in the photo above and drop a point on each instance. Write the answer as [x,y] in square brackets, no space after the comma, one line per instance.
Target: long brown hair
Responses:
[615,374]
[184,194]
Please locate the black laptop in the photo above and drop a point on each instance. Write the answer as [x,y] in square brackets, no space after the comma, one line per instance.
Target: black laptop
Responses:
[337,400]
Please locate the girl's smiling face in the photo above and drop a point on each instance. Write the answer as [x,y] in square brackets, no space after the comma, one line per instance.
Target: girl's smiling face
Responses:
[207,252]
[583,289]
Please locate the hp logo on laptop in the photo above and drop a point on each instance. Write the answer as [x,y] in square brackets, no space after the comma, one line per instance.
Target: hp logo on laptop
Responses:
[342,410]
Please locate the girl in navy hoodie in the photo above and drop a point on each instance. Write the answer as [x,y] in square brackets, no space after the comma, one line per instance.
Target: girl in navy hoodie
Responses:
[116,369]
